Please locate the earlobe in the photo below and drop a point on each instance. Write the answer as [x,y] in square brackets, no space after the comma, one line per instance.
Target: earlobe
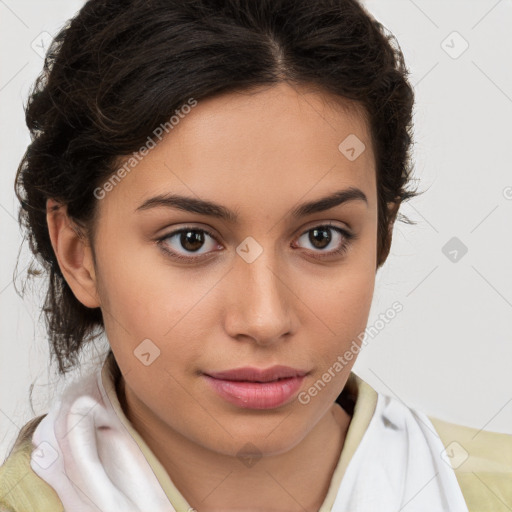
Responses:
[73,254]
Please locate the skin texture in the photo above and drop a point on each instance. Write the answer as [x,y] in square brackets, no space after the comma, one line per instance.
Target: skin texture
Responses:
[260,154]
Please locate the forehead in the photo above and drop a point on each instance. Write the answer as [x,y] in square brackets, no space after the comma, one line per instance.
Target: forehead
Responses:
[278,143]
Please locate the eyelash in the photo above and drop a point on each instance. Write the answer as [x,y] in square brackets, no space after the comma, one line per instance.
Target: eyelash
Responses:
[349,238]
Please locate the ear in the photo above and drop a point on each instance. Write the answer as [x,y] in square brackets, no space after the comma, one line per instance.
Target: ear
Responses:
[73,254]
[392,213]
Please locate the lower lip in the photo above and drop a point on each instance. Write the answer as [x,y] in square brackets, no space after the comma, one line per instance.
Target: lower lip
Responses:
[256,395]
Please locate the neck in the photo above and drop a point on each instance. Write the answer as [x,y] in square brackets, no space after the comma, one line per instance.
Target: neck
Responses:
[297,480]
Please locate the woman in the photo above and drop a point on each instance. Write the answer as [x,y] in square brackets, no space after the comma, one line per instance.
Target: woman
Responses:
[213,185]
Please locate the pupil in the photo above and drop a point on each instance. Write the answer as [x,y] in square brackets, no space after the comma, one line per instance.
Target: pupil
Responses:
[191,240]
[317,234]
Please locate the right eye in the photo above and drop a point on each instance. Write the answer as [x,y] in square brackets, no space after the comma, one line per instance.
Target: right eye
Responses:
[186,240]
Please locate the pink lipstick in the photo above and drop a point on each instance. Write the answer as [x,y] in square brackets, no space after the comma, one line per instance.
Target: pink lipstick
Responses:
[253,388]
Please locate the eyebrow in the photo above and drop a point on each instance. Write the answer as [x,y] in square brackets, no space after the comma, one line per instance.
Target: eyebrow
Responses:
[193,205]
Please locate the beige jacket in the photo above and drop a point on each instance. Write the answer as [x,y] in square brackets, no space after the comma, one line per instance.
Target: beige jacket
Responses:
[482,460]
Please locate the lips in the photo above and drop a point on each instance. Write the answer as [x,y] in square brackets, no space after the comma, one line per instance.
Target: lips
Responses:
[252,388]
[251,374]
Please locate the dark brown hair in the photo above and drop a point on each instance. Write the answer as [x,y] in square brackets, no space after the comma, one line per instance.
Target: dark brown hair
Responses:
[120,68]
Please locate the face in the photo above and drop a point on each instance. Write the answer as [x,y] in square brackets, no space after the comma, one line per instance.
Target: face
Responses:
[272,283]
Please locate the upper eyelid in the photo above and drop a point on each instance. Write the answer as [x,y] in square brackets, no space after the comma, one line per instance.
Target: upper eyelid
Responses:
[328,223]
[210,232]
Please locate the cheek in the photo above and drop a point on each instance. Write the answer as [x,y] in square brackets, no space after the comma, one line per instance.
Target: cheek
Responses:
[135,283]
[342,298]
[144,298]
[341,307]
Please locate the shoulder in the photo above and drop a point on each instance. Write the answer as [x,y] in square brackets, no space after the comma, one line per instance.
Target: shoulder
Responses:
[21,489]
[482,461]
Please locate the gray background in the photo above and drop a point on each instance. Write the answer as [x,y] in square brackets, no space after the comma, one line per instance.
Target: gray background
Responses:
[448,353]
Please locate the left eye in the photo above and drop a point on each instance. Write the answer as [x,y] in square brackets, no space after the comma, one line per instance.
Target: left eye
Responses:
[320,237]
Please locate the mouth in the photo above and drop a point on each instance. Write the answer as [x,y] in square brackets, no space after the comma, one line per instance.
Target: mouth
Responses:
[251,388]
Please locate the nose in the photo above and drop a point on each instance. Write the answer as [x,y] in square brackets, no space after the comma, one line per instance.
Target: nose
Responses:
[261,306]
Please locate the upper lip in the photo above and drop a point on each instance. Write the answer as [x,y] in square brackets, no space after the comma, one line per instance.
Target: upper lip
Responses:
[248,373]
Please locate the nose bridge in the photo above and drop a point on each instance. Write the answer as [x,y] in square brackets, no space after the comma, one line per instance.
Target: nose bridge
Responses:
[262,302]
